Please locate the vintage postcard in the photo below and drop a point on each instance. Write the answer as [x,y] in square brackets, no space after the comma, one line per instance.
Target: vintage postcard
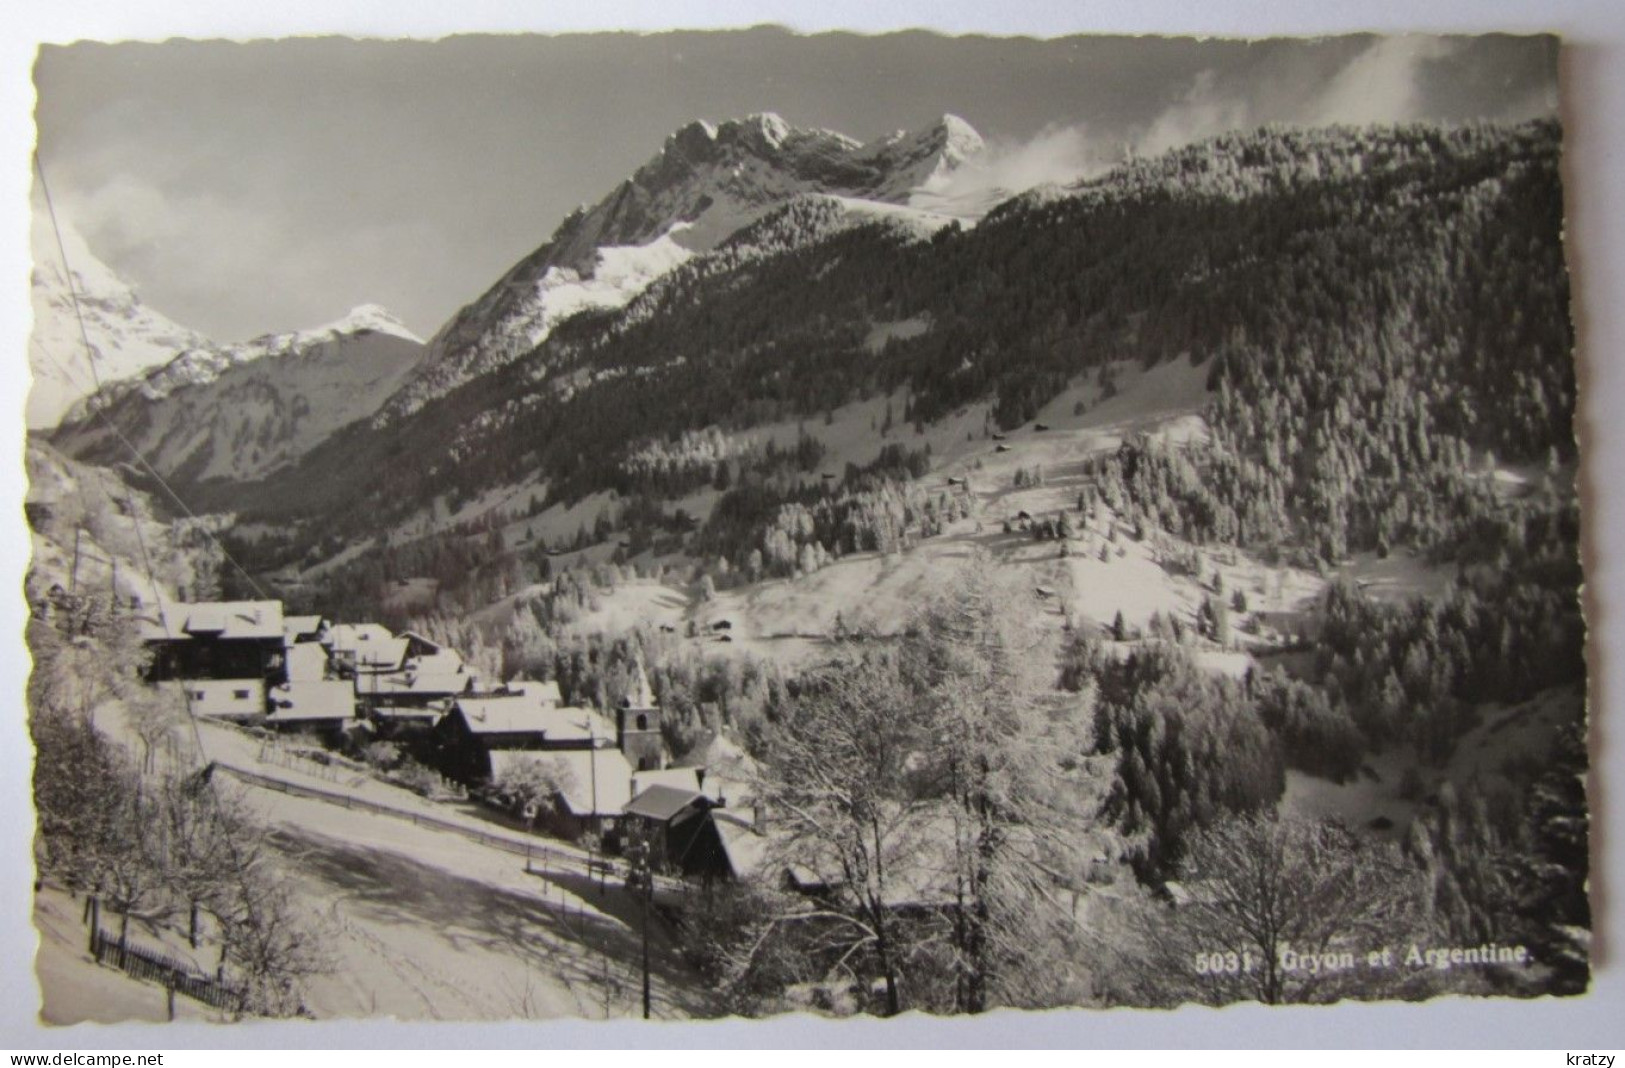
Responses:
[710,524]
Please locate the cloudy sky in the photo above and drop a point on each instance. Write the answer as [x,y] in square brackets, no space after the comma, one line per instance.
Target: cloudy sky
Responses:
[266,186]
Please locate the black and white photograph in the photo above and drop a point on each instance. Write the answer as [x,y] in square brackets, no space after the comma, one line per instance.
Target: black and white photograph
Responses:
[732,523]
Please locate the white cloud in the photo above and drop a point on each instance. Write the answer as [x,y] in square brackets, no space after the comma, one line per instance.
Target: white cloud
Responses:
[1055,154]
[1201,112]
[1378,85]
[233,268]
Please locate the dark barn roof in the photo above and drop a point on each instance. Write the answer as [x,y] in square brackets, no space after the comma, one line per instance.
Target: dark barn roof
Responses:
[662,803]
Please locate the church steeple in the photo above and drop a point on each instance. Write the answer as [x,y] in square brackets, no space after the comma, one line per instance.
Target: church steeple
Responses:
[638,723]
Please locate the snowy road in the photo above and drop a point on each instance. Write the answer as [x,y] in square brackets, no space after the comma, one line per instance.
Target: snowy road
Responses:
[422,924]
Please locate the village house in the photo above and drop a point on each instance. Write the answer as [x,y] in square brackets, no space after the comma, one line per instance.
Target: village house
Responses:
[677,825]
[481,738]
[298,630]
[593,787]
[476,726]
[358,648]
[216,640]
[319,706]
[425,675]
[235,700]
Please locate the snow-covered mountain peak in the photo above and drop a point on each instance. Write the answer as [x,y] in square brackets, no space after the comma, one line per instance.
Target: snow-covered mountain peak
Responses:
[958,140]
[708,182]
[126,336]
[202,362]
[767,126]
[369,317]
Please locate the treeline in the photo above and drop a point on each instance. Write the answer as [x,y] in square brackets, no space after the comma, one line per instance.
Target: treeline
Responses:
[1191,747]
[713,458]
[766,529]
[1415,674]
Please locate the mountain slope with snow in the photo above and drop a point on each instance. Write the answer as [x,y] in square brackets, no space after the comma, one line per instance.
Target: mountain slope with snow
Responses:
[706,184]
[126,336]
[242,410]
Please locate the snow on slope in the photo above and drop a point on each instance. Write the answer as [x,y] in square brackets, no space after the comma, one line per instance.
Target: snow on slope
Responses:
[73,988]
[200,365]
[240,411]
[707,183]
[69,502]
[126,336]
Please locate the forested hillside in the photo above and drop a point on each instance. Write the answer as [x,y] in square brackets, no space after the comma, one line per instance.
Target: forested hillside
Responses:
[1383,307]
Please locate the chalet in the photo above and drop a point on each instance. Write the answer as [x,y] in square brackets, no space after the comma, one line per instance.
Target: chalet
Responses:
[389,671]
[418,684]
[236,700]
[306,662]
[365,648]
[678,826]
[593,786]
[215,640]
[716,766]
[325,706]
[476,728]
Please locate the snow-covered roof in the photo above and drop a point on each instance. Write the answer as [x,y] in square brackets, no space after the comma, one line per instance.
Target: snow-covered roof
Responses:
[225,697]
[677,779]
[307,662]
[545,692]
[919,868]
[415,683]
[293,627]
[719,753]
[429,643]
[225,620]
[525,714]
[747,851]
[592,782]
[444,662]
[407,713]
[302,701]
[661,802]
[346,637]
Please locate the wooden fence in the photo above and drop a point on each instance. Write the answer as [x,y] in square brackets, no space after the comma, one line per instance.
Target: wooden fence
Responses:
[179,976]
[594,866]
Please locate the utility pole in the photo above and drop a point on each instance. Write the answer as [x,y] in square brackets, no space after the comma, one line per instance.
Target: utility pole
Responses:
[648,901]
[640,876]
[73,573]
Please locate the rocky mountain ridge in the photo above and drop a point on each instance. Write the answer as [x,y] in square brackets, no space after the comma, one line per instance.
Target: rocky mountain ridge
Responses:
[707,183]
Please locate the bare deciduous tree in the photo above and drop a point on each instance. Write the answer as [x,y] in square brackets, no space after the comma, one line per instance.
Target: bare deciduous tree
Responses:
[1274,909]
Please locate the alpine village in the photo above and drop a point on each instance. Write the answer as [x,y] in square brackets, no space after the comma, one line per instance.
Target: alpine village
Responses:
[781,592]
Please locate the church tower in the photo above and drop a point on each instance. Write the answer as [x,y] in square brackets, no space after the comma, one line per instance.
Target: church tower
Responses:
[638,724]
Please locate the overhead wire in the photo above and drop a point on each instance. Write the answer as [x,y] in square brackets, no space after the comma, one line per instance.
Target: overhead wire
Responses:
[100,410]
[129,504]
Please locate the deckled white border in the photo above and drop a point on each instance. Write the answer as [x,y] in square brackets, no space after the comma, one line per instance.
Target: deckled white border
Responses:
[1594,101]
